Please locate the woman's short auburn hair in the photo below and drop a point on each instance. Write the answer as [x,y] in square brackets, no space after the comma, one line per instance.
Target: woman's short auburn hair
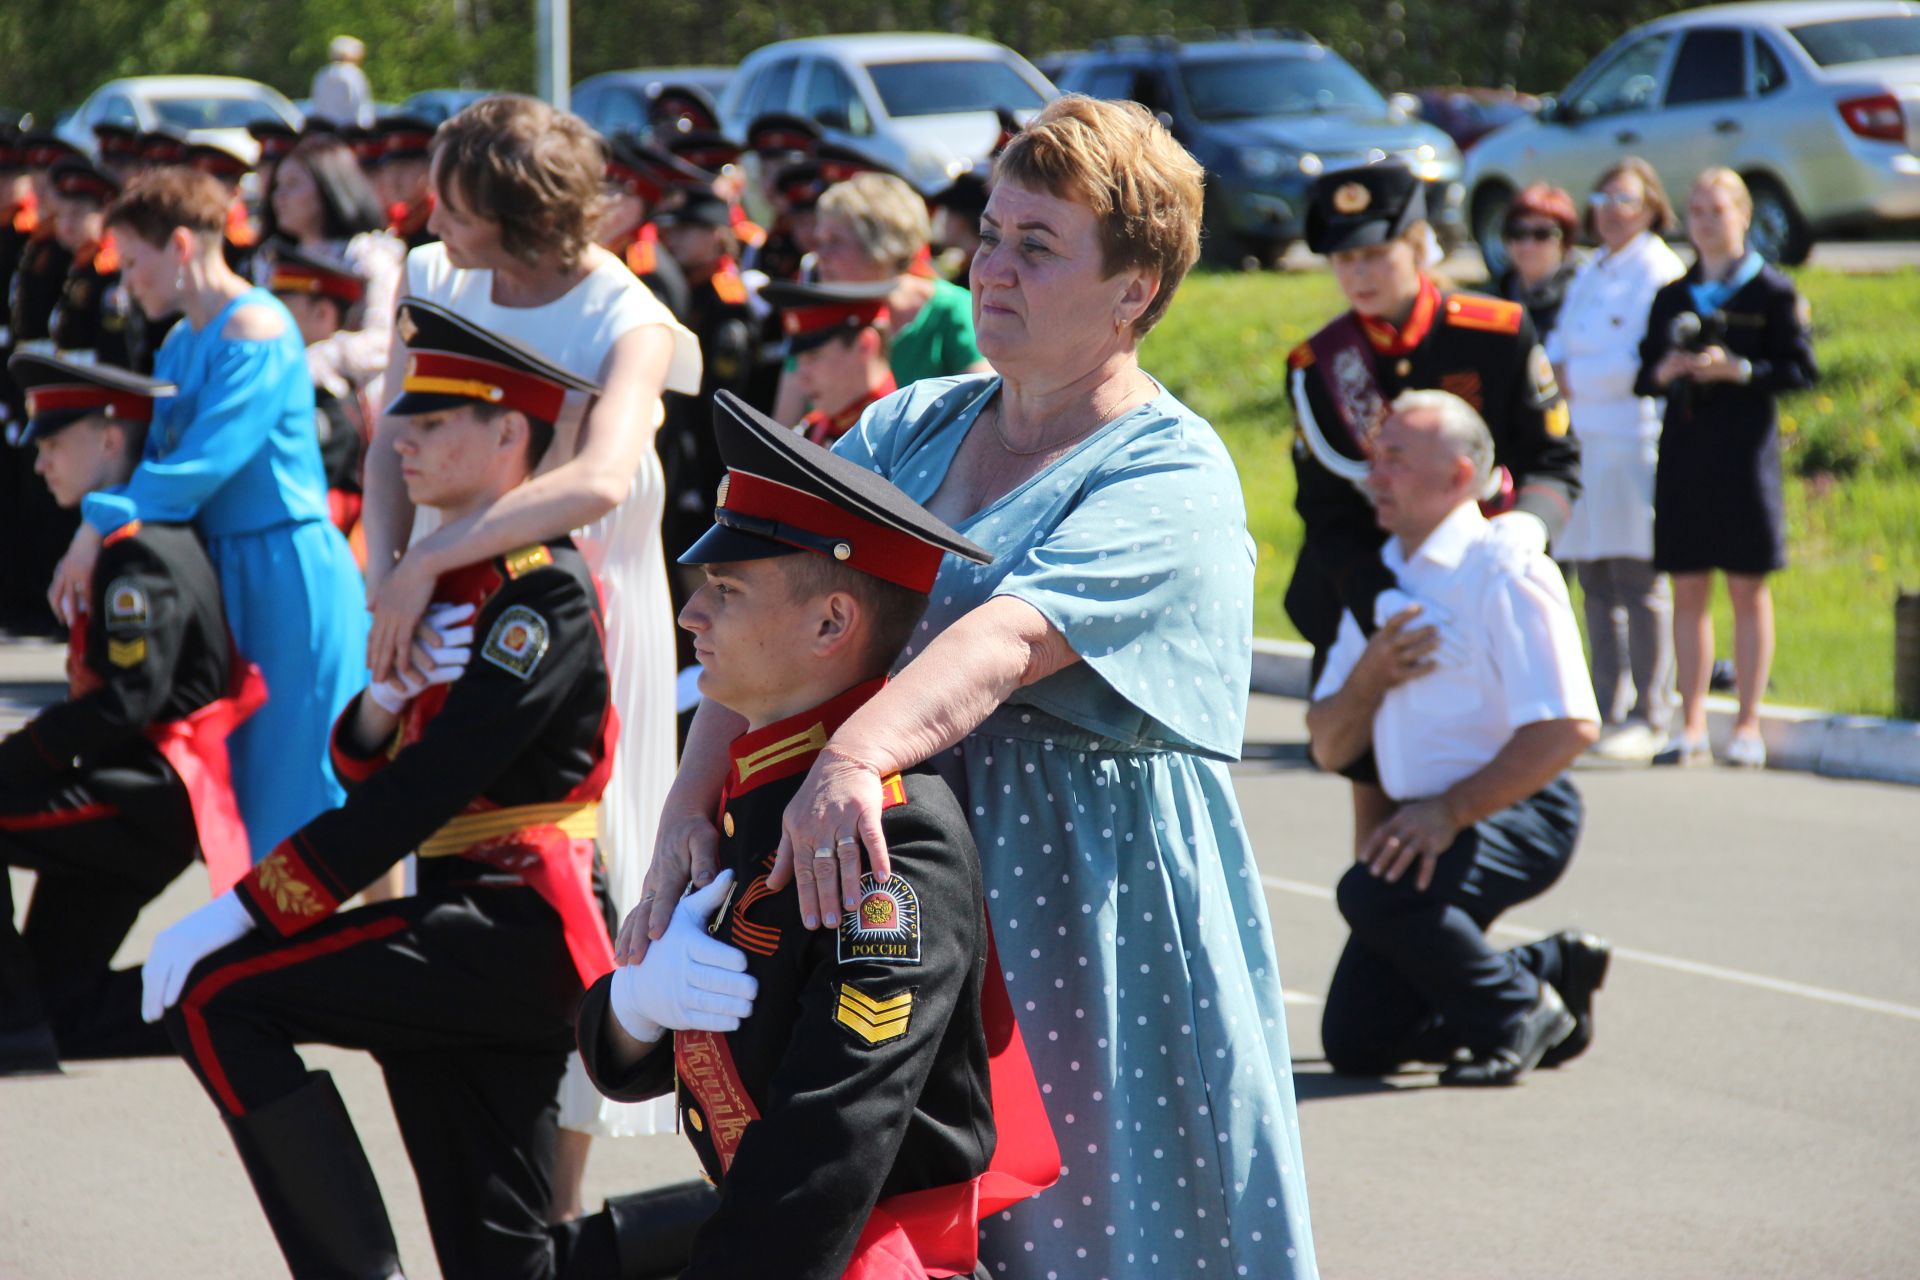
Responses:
[1658,204]
[885,215]
[157,201]
[1143,188]
[538,172]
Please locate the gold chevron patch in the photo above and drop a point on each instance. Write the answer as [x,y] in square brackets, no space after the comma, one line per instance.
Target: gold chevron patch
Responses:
[874,1021]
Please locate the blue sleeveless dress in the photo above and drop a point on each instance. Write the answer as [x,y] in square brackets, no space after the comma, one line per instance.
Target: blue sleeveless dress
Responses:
[236,455]
[1120,879]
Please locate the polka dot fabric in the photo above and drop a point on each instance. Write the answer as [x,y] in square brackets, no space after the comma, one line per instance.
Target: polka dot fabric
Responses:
[1119,877]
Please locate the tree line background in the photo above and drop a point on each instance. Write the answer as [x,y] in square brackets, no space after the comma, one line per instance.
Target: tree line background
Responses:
[60,50]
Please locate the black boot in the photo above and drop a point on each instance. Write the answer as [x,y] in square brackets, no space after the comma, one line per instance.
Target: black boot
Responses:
[316,1186]
[1544,1026]
[1583,970]
[28,1051]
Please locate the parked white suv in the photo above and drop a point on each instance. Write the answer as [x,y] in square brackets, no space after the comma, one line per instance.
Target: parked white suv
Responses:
[921,104]
[1816,105]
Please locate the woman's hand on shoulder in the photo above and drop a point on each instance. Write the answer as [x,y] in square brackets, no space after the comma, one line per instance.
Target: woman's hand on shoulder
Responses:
[685,852]
[254,323]
[837,809]
[397,607]
[72,583]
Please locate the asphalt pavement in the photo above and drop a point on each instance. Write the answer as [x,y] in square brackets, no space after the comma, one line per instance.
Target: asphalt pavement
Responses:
[1748,1109]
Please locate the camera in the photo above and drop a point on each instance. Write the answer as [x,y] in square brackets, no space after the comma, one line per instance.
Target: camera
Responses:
[1693,333]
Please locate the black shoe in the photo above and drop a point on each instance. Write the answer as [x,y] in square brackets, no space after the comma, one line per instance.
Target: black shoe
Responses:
[29,1051]
[1583,971]
[1544,1026]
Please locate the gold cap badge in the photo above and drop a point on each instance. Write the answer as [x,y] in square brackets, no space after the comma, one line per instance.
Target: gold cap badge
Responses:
[1351,197]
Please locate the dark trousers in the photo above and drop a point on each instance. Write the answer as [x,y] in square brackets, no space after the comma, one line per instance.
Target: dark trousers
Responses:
[1418,978]
[466,999]
[104,843]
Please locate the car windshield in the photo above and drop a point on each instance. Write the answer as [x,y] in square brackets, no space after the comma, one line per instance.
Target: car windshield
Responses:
[212,113]
[1276,85]
[1833,44]
[950,86]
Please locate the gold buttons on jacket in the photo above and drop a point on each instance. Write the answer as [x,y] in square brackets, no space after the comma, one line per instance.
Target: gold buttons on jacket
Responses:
[693,1118]
[726,823]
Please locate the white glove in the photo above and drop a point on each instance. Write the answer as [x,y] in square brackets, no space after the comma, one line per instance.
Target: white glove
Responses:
[185,944]
[447,659]
[689,980]
[1521,531]
[1453,646]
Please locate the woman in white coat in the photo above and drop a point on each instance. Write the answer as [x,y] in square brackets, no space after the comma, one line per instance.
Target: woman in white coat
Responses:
[1608,542]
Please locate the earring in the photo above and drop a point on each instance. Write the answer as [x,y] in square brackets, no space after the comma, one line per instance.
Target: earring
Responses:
[180,277]
[1118,324]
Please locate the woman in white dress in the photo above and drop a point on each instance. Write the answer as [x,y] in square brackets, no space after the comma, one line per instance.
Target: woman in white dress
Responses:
[519,190]
[1608,540]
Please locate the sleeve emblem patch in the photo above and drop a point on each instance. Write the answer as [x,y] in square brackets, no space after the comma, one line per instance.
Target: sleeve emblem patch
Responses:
[885,927]
[517,642]
[126,605]
[874,1021]
[127,653]
[1540,373]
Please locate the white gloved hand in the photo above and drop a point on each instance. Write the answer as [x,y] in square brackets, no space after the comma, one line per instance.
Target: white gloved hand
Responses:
[185,944]
[1452,651]
[446,655]
[1521,531]
[689,980]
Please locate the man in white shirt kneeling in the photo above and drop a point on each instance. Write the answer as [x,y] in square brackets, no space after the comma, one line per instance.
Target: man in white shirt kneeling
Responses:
[1474,698]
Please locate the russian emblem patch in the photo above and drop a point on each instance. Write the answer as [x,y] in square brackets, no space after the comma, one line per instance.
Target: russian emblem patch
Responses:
[517,642]
[885,927]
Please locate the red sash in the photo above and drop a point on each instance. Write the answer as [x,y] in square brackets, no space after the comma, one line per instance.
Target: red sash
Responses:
[1345,360]
[560,869]
[196,748]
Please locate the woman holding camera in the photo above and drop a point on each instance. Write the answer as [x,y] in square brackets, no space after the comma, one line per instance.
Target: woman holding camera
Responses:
[1722,342]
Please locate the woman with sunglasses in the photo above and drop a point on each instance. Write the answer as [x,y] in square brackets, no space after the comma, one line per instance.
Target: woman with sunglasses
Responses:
[1539,235]
[1723,343]
[1608,541]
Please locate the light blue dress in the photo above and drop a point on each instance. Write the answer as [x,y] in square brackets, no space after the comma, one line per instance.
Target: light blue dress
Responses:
[235,453]
[1120,880]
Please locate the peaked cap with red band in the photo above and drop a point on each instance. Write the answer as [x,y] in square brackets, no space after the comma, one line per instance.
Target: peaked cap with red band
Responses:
[60,393]
[404,137]
[159,147]
[682,108]
[225,163]
[702,148]
[810,314]
[39,150]
[649,172]
[451,361]
[779,133]
[276,138]
[784,494]
[77,179]
[295,271]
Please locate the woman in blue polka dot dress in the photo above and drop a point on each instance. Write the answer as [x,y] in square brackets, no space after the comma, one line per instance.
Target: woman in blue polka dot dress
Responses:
[1084,694]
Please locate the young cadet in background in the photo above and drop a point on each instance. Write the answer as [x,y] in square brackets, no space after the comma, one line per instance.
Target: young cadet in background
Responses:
[89,325]
[837,335]
[836,1084]
[402,179]
[92,796]
[324,296]
[491,770]
[643,180]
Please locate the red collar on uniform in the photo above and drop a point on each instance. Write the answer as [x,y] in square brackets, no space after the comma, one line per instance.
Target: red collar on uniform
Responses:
[1391,341]
[824,428]
[787,747]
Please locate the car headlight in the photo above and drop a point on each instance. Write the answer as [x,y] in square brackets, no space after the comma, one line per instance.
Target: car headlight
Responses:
[1271,162]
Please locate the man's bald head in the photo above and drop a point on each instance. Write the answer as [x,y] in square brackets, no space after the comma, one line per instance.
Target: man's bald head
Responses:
[1457,424]
[1433,453]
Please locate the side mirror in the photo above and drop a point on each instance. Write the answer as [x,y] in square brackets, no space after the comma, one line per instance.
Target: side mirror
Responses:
[1549,112]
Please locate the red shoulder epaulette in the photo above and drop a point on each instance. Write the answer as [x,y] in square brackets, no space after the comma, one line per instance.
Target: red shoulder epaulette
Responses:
[1489,315]
[121,534]
[641,257]
[893,792]
[26,217]
[727,284]
[106,259]
[1301,357]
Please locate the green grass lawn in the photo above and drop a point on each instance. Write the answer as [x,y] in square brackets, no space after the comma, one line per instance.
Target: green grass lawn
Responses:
[1853,456]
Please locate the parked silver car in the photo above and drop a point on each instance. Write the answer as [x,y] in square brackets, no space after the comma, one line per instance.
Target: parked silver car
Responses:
[214,109]
[1816,105]
[920,104]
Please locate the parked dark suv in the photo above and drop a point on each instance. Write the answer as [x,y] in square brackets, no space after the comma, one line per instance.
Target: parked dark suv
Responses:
[1266,112]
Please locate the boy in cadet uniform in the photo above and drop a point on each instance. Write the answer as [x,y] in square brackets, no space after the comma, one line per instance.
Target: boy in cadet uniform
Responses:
[641,179]
[119,150]
[402,178]
[861,1097]
[323,294]
[110,794]
[837,335]
[780,141]
[90,322]
[489,769]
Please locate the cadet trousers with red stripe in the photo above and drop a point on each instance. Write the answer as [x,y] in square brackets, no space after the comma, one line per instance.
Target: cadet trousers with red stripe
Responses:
[466,999]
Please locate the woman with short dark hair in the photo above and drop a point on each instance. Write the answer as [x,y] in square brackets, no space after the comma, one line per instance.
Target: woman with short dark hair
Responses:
[1083,694]
[234,454]
[1539,235]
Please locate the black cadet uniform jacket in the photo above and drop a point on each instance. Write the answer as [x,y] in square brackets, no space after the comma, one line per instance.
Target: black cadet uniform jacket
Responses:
[1480,349]
[864,1063]
[94,310]
[528,722]
[153,648]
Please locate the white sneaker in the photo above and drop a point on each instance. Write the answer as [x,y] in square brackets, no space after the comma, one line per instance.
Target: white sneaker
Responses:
[1634,742]
[1746,751]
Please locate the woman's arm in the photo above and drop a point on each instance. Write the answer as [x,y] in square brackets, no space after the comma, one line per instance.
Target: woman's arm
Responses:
[386,513]
[614,439]
[937,699]
[355,355]
[685,844]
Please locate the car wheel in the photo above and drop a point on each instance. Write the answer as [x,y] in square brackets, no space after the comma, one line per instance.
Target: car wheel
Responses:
[1778,232]
[1490,204]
